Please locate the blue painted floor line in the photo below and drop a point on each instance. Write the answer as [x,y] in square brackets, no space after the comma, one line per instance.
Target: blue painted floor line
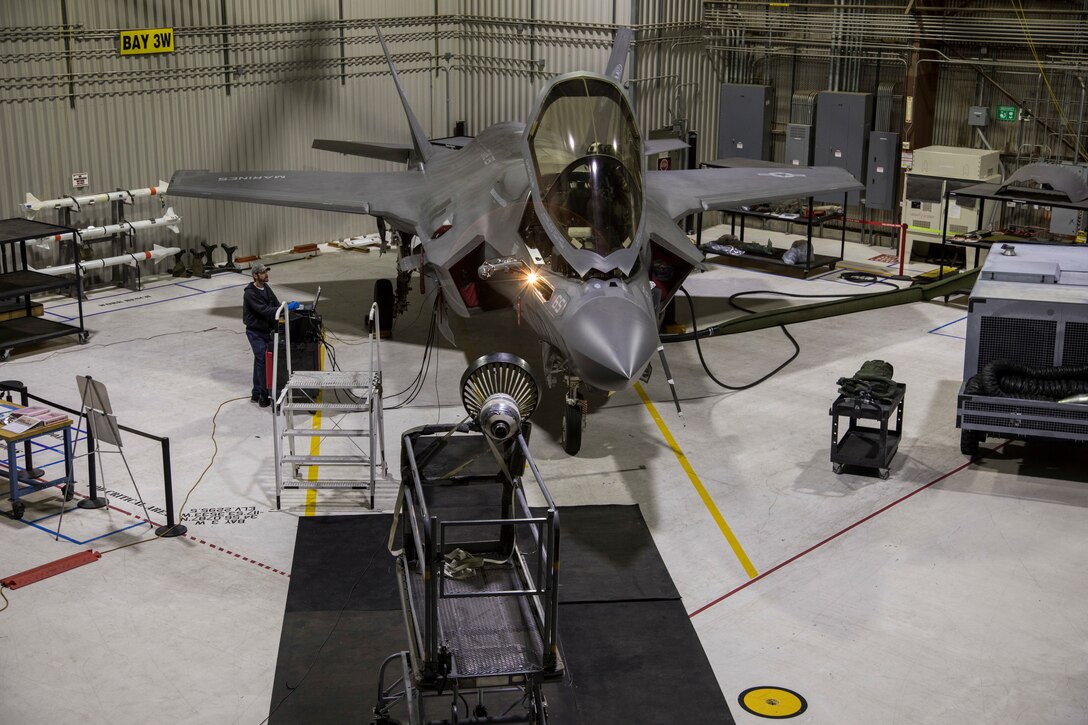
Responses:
[937,330]
[77,542]
[194,292]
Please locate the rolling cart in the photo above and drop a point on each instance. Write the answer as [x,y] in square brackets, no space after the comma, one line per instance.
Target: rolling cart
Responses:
[867,446]
[477,569]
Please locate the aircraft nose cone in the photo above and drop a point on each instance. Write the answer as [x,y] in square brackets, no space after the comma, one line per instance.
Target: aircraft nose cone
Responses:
[610,340]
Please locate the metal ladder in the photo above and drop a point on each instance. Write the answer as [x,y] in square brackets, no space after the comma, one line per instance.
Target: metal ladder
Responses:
[360,456]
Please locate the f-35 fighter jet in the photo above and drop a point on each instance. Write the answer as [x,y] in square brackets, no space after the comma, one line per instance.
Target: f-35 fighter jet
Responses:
[555,217]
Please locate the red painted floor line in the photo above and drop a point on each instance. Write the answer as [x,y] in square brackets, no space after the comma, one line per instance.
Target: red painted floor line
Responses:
[834,536]
[202,541]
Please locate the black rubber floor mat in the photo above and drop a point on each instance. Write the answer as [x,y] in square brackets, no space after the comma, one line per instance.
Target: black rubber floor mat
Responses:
[341,562]
[608,555]
[633,662]
[630,650]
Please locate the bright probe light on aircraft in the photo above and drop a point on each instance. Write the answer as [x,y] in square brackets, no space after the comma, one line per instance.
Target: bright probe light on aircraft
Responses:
[531,278]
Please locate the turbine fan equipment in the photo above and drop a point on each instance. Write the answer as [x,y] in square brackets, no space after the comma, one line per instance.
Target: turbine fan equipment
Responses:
[499,391]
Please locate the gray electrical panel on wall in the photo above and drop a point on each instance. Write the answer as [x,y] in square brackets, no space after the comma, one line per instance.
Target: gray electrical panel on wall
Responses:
[799,140]
[842,134]
[745,113]
[882,181]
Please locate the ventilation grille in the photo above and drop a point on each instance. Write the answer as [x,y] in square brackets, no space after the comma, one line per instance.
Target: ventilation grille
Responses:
[1076,343]
[1028,342]
[1024,417]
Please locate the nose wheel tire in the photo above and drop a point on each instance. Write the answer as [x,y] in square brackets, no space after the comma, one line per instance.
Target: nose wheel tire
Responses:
[572,428]
[969,442]
[384,297]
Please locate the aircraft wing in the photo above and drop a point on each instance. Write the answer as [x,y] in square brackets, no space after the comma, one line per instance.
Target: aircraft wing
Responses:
[690,191]
[394,195]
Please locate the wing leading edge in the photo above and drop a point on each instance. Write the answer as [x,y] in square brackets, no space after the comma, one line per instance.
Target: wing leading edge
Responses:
[690,191]
[387,194]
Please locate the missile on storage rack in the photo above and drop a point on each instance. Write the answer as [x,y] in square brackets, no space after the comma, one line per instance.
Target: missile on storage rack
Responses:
[170,220]
[33,205]
[155,254]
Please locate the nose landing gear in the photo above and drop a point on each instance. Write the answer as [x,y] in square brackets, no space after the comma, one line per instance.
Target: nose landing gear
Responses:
[574,417]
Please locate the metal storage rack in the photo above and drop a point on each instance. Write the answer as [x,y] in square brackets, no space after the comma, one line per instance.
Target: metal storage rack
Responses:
[866,446]
[983,193]
[18,281]
[813,261]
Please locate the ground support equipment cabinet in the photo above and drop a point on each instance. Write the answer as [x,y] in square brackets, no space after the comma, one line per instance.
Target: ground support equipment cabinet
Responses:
[18,282]
[1028,308]
[866,446]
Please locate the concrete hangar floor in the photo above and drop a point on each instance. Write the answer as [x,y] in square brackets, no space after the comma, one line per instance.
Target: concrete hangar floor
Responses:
[950,592]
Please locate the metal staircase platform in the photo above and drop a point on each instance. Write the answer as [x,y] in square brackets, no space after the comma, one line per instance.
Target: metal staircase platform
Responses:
[328,380]
[344,483]
[325,460]
[355,398]
[328,432]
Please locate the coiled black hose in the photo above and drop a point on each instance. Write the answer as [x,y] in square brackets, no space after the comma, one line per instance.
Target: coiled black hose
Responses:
[1008,379]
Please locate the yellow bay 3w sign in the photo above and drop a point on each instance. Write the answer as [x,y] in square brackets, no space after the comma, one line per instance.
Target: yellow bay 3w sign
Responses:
[149,40]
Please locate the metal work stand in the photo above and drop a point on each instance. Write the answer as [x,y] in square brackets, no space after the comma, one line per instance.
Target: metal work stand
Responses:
[479,592]
[866,446]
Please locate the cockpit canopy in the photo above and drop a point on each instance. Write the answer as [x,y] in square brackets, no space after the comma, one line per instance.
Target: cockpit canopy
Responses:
[586,154]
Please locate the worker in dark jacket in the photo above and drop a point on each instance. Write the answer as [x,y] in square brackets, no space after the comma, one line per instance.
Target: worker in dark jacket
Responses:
[259,306]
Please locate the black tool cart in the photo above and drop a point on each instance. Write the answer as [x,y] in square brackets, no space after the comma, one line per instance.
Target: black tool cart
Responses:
[867,446]
[18,282]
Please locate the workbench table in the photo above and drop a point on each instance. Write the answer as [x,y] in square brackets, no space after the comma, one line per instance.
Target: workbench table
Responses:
[19,481]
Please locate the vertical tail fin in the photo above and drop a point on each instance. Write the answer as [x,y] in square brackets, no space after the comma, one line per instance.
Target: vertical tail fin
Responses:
[618,59]
[420,141]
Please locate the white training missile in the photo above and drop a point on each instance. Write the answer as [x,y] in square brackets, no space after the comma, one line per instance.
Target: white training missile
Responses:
[170,220]
[33,205]
[154,254]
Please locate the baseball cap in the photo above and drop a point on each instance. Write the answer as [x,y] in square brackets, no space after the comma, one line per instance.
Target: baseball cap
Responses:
[257,268]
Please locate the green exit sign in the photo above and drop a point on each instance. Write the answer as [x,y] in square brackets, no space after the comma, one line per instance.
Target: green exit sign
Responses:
[1006,113]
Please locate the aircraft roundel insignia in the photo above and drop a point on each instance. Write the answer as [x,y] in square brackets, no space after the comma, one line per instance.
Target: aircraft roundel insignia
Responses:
[782,175]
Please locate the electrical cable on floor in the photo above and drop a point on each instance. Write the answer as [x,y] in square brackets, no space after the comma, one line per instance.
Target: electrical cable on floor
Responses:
[313,661]
[866,278]
[84,348]
[702,360]
[181,509]
[416,386]
[346,341]
[793,341]
[5,598]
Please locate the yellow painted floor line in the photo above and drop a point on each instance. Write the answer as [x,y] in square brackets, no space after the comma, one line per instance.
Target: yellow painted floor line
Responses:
[738,550]
[311,494]
[315,450]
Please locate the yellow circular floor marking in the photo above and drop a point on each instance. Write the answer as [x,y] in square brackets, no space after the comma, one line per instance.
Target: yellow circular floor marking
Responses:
[772,702]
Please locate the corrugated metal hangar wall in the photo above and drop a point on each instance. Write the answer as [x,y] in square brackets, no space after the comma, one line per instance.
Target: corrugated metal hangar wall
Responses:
[252,82]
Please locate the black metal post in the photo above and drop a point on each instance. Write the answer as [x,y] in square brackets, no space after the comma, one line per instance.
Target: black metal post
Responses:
[171,528]
[693,140]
